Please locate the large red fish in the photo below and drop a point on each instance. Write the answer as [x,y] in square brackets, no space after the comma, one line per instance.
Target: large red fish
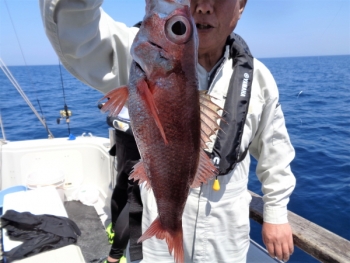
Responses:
[165,109]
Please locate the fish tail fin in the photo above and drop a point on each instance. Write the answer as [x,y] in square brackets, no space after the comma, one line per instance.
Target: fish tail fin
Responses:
[173,239]
[117,99]
[148,98]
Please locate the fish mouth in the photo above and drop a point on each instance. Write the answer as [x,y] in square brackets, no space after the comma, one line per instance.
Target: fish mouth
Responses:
[163,53]
[140,72]
[140,63]
[203,26]
[157,56]
[155,45]
[138,66]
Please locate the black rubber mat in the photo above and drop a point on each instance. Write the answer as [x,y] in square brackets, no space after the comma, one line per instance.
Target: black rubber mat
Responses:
[93,241]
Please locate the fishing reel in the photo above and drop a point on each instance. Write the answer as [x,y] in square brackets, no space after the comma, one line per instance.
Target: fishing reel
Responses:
[65,114]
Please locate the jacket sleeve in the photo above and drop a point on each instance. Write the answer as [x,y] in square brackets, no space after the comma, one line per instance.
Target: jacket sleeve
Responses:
[89,43]
[272,149]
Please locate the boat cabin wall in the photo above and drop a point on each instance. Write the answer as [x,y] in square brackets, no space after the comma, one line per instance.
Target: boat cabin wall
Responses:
[35,163]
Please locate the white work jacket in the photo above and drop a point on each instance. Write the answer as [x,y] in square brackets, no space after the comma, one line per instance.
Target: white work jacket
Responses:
[96,50]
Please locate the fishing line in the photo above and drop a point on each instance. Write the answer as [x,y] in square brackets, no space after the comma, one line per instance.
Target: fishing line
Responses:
[28,73]
[2,128]
[65,113]
[14,82]
[326,28]
[3,141]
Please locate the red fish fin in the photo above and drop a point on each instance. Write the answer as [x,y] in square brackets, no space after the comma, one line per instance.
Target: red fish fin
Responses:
[173,239]
[206,170]
[148,98]
[139,173]
[117,99]
[209,116]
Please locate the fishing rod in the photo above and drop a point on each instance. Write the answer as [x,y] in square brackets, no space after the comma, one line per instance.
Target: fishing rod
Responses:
[19,89]
[65,113]
[24,96]
[2,128]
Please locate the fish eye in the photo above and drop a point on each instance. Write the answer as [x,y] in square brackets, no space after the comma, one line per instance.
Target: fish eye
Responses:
[178,29]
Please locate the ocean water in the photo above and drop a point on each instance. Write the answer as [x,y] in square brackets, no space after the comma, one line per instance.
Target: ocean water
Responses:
[315,98]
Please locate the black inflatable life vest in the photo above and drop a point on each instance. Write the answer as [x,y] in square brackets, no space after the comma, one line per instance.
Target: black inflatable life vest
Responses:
[226,151]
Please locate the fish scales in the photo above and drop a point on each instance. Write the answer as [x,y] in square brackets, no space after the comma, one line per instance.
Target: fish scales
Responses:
[172,167]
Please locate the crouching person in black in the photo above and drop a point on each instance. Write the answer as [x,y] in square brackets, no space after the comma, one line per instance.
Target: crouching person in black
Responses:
[126,205]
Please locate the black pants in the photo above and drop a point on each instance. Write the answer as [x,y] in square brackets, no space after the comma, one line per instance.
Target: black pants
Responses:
[126,205]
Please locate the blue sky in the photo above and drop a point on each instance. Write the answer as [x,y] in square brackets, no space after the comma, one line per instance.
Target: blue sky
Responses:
[272,28]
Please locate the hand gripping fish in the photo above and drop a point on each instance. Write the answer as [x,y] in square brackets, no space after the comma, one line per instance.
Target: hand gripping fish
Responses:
[171,120]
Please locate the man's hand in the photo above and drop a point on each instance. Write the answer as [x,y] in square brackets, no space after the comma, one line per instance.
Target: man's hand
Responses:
[278,240]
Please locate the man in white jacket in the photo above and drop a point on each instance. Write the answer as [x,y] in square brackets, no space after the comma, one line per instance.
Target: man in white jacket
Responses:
[96,50]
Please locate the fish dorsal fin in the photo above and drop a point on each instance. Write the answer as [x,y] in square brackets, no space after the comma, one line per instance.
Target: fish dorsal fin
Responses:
[117,99]
[206,170]
[209,117]
[147,96]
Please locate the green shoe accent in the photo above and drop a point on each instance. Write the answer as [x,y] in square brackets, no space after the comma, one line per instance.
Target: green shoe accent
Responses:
[110,233]
[122,260]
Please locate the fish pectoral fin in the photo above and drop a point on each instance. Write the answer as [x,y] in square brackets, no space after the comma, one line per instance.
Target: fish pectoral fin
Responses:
[147,96]
[117,99]
[139,173]
[205,171]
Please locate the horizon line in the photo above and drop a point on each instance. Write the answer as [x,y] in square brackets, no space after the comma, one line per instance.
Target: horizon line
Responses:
[306,56]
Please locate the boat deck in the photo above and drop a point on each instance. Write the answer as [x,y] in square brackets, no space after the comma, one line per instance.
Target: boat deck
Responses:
[94,244]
